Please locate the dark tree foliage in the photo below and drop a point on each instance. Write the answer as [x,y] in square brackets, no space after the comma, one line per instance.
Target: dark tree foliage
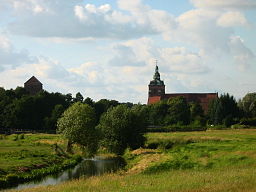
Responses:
[248,105]
[196,110]
[18,110]
[197,117]
[138,126]
[79,98]
[122,127]
[157,113]
[20,92]
[223,110]
[89,101]
[178,112]
[69,98]
[51,121]
[102,106]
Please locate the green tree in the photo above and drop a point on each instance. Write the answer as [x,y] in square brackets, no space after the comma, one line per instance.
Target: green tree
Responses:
[138,124]
[102,106]
[89,101]
[197,116]
[157,113]
[121,127]
[223,110]
[51,121]
[77,124]
[79,98]
[179,112]
[248,105]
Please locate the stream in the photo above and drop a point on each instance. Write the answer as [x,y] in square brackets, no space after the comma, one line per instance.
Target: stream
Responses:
[87,168]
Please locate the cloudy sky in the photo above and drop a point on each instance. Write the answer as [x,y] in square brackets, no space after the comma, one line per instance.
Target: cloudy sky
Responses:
[107,49]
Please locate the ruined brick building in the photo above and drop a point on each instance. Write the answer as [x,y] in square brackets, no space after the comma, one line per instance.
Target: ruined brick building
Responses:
[33,85]
[156,92]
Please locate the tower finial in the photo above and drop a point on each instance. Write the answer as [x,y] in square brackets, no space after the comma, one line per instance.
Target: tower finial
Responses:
[156,62]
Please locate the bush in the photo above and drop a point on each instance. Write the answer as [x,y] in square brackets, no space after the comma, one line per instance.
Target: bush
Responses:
[248,121]
[238,126]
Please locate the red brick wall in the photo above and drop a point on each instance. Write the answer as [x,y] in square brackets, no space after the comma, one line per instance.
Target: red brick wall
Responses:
[202,98]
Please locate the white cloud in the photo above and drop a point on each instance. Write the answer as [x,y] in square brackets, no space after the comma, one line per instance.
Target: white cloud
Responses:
[9,57]
[55,18]
[232,19]
[243,56]
[230,4]
[181,60]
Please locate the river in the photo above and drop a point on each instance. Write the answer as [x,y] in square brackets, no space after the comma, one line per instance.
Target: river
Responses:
[87,168]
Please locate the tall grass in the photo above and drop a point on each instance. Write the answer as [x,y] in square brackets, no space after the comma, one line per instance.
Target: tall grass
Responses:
[23,157]
[209,161]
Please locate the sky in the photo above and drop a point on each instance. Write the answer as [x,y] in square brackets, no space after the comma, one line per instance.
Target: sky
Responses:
[107,49]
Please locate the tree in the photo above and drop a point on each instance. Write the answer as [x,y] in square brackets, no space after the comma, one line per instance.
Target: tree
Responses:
[138,126]
[178,111]
[197,114]
[89,101]
[78,126]
[79,98]
[51,121]
[248,105]
[157,113]
[223,110]
[102,106]
[120,128]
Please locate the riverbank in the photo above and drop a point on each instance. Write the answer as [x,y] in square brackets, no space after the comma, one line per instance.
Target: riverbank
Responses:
[185,161]
[27,157]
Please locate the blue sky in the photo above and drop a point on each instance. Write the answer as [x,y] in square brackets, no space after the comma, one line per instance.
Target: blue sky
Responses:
[107,49]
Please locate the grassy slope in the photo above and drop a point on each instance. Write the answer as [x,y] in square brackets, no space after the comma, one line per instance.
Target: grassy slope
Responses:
[30,156]
[16,153]
[191,161]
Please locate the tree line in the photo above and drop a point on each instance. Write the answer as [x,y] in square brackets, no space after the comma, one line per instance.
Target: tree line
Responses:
[19,110]
[112,125]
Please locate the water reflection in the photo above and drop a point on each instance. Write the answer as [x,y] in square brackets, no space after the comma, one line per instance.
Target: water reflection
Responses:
[87,168]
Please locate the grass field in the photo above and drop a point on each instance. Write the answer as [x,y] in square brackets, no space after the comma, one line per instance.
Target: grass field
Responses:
[184,161]
[30,156]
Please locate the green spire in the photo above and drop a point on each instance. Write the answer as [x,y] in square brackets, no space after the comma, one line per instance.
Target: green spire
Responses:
[156,78]
[157,74]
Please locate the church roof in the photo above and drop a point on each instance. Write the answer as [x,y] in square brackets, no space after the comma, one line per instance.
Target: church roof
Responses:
[156,78]
[33,80]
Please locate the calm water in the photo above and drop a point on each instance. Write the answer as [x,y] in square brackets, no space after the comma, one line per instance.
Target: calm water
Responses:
[87,168]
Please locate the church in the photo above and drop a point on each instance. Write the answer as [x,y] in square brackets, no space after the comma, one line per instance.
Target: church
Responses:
[156,92]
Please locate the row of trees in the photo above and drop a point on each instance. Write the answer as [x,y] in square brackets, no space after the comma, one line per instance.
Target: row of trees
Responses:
[112,125]
[122,126]
[224,110]
[19,110]
[119,128]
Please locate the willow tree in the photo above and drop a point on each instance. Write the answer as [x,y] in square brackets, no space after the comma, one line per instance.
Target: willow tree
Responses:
[77,125]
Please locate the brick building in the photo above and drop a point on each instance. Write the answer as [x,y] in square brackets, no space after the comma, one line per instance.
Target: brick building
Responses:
[156,92]
[33,85]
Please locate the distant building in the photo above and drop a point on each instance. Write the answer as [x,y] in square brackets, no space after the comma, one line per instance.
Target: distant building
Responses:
[156,92]
[33,85]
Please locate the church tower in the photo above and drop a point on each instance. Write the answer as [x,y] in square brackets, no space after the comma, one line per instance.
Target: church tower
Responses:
[156,87]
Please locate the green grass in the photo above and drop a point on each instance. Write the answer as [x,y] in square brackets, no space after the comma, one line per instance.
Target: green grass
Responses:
[216,161]
[30,156]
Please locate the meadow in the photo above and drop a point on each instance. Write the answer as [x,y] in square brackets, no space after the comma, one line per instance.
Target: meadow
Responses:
[215,160]
[30,156]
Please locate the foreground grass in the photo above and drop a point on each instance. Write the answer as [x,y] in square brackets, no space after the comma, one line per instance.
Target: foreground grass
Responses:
[31,156]
[178,180]
[185,161]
